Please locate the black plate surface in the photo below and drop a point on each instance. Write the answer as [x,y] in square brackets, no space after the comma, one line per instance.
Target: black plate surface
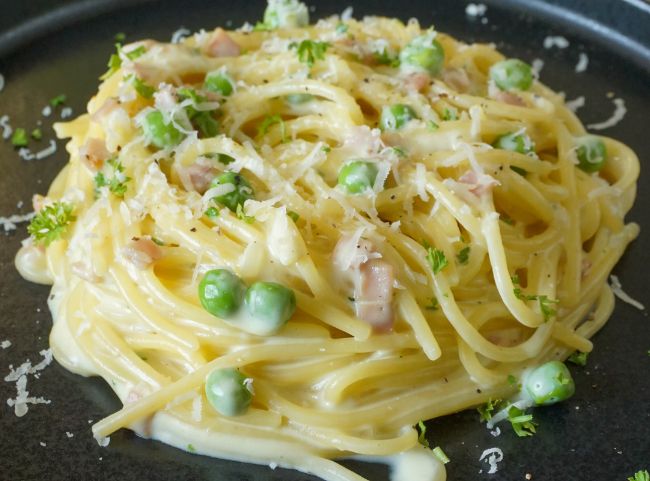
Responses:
[52,47]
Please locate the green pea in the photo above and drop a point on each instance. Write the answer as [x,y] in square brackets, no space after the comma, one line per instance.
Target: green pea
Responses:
[514,142]
[159,133]
[591,153]
[296,99]
[218,82]
[227,392]
[358,176]
[221,293]
[270,305]
[423,54]
[206,124]
[243,190]
[512,74]
[550,383]
[286,14]
[396,116]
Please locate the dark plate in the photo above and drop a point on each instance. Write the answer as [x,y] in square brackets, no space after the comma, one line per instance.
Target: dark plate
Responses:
[48,48]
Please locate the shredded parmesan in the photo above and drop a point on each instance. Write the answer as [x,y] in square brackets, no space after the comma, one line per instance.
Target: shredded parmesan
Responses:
[476,9]
[6,128]
[537,66]
[492,456]
[617,289]
[6,344]
[583,63]
[555,41]
[47,111]
[180,34]
[575,104]
[66,112]
[9,223]
[617,116]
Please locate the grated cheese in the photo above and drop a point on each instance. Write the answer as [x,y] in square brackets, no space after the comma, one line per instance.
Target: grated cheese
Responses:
[6,128]
[69,434]
[9,223]
[46,152]
[19,375]
[617,289]
[583,62]
[66,112]
[617,116]
[537,66]
[180,34]
[47,111]
[555,41]
[492,456]
[575,104]
[6,344]
[476,9]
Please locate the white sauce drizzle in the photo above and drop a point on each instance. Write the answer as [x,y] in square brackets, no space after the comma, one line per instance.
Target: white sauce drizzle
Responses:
[6,128]
[492,456]
[475,9]
[617,116]
[6,344]
[575,104]
[180,34]
[9,223]
[555,41]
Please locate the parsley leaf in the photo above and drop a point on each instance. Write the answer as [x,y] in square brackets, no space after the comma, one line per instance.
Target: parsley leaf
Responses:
[512,380]
[640,476]
[212,212]
[434,306]
[191,448]
[51,222]
[241,215]
[58,100]
[202,120]
[436,259]
[268,121]
[463,255]
[136,52]
[544,301]
[19,138]
[422,434]
[384,57]
[432,125]
[578,358]
[450,114]
[294,215]
[144,89]
[522,423]
[486,410]
[116,183]
[37,134]
[114,62]
[310,51]
[120,37]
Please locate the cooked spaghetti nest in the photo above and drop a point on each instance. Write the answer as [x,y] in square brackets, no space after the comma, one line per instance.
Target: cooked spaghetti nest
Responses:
[429,254]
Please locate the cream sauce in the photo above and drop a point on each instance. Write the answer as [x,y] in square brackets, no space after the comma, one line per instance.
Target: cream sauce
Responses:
[31,263]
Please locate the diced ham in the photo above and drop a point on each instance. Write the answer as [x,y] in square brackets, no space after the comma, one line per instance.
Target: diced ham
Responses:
[509,98]
[142,252]
[197,176]
[417,81]
[457,79]
[94,153]
[374,294]
[222,45]
[478,184]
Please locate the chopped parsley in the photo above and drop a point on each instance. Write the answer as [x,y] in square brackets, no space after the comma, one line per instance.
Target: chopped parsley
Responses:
[120,37]
[578,358]
[399,151]
[508,220]
[115,61]
[327,149]
[463,256]
[432,125]
[116,183]
[640,476]
[37,134]
[422,434]
[262,27]
[544,301]
[191,448]
[436,259]
[136,52]
[522,423]
[58,100]
[241,215]
[157,241]
[294,215]
[450,114]
[144,89]
[434,305]
[19,138]
[341,28]
[486,410]
[271,120]
[385,58]
[512,380]
[211,212]
[440,454]
[202,120]
[51,222]
[309,51]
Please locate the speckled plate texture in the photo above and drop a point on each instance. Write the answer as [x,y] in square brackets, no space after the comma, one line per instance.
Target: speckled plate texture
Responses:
[53,47]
